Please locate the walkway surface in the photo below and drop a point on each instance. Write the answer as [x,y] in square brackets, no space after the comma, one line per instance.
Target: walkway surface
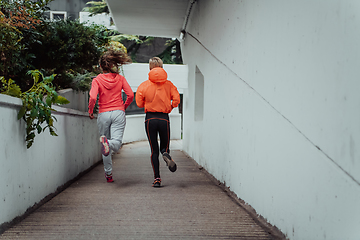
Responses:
[189,205]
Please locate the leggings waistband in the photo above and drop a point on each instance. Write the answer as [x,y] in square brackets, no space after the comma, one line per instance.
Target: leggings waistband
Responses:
[157,115]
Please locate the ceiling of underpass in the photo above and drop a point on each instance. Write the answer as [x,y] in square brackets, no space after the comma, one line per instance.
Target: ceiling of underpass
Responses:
[160,18]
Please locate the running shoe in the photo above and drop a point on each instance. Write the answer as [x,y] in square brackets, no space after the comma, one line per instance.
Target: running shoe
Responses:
[169,162]
[109,177]
[157,182]
[105,149]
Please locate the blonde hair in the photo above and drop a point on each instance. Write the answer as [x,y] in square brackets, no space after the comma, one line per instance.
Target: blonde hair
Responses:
[111,60]
[155,62]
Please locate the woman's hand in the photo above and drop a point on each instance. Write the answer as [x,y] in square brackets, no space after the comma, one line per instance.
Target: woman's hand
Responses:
[91,115]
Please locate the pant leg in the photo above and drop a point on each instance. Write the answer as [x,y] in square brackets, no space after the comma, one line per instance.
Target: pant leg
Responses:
[117,127]
[164,133]
[104,124]
[152,132]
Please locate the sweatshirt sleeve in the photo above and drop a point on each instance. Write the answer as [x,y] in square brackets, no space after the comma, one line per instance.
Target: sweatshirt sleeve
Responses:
[93,95]
[139,97]
[175,96]
[129,93]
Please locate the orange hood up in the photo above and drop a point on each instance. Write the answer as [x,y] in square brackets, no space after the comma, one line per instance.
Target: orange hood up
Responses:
[158,75]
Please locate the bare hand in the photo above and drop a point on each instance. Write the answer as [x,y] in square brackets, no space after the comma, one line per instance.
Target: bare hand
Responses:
[91,115]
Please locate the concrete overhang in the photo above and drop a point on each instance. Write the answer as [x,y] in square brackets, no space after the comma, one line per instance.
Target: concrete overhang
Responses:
[158,18]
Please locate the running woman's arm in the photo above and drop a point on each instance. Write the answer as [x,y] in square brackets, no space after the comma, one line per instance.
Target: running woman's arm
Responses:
[93,95]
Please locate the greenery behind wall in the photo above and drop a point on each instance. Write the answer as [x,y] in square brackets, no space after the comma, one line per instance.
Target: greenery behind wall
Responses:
[62,47]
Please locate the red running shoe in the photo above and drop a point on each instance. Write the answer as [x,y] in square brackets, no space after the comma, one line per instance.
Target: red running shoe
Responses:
[109,178]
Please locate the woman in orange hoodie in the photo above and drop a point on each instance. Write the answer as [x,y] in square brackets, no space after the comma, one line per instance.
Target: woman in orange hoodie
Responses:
[158,96]
[111,118]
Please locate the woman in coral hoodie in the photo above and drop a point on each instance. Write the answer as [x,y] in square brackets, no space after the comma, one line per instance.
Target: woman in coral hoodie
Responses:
[158,96]
[111,118]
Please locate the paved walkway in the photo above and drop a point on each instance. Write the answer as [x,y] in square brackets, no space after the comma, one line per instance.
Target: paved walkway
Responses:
[189,205]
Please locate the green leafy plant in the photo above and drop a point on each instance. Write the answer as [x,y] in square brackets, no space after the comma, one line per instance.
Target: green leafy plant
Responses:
[37,104]
[10,44]
[82,82]
[97,7]
[68,47]
[10,88]
[18,22]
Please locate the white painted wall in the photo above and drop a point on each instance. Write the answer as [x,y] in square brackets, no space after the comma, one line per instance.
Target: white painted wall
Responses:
[280,122]
[78,100]
[29,175]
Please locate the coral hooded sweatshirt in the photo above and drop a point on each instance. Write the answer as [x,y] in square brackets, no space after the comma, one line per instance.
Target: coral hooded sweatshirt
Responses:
[109,87]
[157,94]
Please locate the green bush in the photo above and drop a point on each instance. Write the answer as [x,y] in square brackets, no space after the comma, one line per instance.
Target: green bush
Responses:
[67,47]
[10,46]
[81,82]
[18,20]
[28,41]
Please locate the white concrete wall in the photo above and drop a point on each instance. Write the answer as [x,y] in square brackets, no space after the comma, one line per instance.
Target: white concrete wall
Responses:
[29,175]
[78,100]
[280,123]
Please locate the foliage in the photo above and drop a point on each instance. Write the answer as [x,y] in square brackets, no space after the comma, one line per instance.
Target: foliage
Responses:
[117,46]
[37,102]
[172,53]
[97,7]
[82,82]
[116,36]
[27,41]
[10,44]
[69,46]
[10,88]
[18,19]
[20,16]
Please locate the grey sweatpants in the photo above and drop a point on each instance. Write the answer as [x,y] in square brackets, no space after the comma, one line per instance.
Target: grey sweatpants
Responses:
[112,125]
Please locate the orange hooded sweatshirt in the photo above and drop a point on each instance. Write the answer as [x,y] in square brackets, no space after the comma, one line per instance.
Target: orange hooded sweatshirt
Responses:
[109,87]
[157,94]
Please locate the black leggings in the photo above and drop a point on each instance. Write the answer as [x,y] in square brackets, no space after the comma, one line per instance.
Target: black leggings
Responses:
[157,123]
